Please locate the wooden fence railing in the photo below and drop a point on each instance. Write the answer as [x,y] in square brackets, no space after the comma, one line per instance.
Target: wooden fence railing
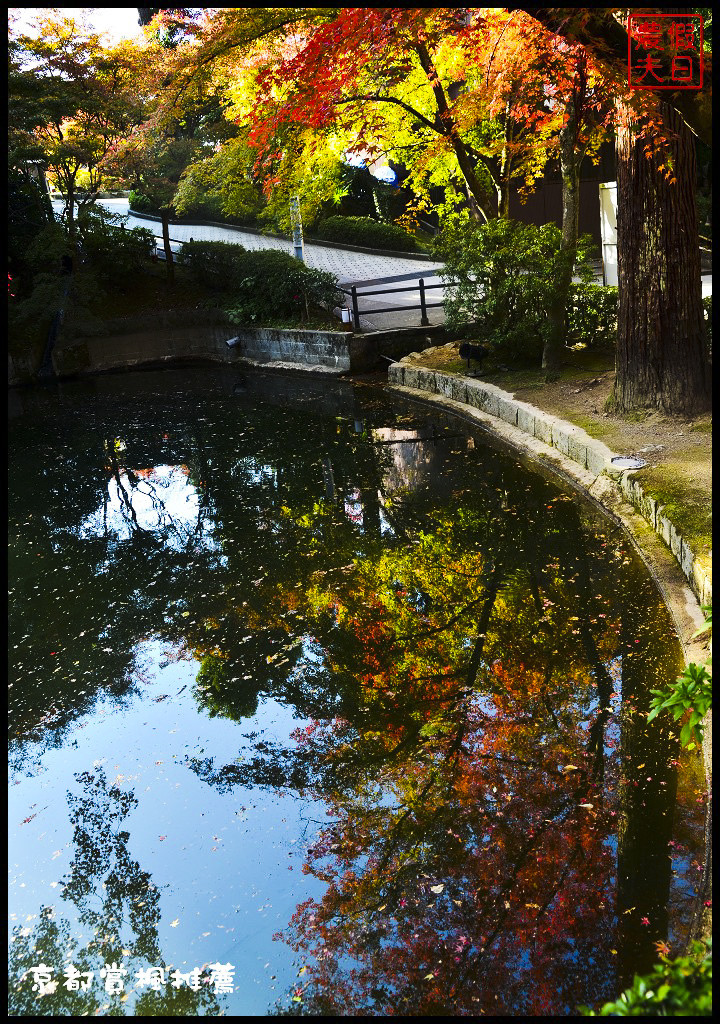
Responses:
[423,305]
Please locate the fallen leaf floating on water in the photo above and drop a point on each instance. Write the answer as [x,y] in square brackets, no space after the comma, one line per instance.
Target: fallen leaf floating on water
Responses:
[571,768]
[586,806]
[437,888]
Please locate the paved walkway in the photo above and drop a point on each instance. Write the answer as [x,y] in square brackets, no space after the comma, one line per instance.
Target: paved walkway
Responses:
[366,271]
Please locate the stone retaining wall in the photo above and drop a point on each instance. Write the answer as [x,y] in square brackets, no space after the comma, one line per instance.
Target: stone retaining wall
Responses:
[571,441]
[148,344]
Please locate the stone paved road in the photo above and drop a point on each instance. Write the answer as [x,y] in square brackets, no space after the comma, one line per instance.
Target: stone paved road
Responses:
[364,270]
[349,266]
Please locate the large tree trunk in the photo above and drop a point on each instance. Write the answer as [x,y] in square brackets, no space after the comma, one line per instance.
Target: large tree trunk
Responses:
[661,358]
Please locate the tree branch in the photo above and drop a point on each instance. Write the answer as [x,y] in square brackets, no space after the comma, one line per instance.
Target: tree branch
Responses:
[607,41]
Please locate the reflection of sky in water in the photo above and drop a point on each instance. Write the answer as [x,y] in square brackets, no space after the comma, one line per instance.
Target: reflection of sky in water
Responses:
[222,821]
[157,500]
[227,864]
[408,457]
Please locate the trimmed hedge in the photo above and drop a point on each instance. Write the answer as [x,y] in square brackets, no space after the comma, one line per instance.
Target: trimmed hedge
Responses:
[262,285]
[366,232]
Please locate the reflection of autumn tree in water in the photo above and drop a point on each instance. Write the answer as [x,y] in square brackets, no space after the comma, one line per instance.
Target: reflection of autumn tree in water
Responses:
[450,646]
[470,866]
[647,800]
[124,926]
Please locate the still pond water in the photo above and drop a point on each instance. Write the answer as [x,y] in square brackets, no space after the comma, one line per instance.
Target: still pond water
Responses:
[331,699]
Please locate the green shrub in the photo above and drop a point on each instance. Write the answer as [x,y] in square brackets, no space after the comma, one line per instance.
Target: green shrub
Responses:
[260,286]
[592,315]
[707,306]
[691,692]
[140,203]
[366,232]
[276,285]
[503,277]
[111,250]
[217,265]
[675,988]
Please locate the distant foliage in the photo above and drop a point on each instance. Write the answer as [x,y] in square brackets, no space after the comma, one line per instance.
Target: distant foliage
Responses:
[210,209]
[675,988]
[260,286]
[592,316]
[503,277]
[366,232]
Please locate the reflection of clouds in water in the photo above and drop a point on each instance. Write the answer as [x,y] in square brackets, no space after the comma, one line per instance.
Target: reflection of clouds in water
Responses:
[158,500]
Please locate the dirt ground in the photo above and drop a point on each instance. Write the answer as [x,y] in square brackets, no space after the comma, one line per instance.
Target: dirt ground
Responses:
[678,451]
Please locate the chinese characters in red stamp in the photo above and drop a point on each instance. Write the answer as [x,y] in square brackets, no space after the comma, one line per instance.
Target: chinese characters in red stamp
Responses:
[665,51]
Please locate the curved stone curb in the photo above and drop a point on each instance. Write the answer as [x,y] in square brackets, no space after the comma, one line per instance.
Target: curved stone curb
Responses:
[571,441]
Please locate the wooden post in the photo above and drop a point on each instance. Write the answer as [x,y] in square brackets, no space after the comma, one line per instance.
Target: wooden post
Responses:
[424,322]
[356,312]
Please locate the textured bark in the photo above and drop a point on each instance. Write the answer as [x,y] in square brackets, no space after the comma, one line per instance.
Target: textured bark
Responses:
[661,358]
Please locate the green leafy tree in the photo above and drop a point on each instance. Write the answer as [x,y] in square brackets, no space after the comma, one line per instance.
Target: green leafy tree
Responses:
[85,96]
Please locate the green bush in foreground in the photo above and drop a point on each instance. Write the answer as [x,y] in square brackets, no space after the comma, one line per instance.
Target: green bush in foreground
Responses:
[111,250]
[592,315]
[503,277]
[217,265]
[691,691]
[675,988]
[366,232]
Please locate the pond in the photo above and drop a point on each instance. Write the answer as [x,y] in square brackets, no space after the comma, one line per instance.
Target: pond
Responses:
[322,703]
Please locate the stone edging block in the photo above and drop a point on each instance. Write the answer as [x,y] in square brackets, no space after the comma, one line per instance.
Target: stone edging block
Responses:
[572,441]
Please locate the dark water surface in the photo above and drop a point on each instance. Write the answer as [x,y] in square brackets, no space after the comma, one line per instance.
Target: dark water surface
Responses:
[329,689]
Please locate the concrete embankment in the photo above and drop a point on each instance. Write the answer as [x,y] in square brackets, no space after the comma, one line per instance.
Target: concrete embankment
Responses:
[176,338]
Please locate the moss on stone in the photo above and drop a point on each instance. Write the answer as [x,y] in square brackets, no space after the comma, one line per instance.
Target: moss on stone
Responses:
[688,508]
